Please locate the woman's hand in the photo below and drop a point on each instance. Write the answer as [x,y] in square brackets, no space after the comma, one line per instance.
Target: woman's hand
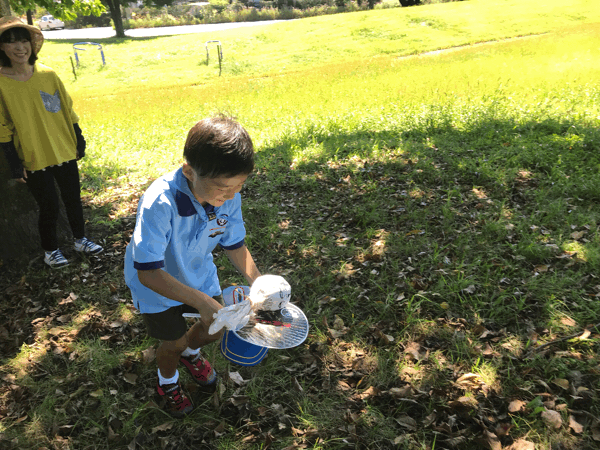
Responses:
[24,179]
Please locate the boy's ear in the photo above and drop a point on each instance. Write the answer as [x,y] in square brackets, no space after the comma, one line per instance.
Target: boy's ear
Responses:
[188,171]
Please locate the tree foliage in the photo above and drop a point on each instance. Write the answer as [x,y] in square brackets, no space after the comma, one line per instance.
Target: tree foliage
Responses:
[64,10]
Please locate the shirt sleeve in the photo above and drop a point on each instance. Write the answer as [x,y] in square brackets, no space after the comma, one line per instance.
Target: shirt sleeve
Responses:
[10,152]
[235,232]
[152,232]
[6,124]
[69,101]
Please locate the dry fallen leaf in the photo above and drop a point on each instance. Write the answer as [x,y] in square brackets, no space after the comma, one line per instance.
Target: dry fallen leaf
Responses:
[516,406]
[575,426]
[562,383]
[470,380]
[131,378]
[577,235]
[470,289]
[237,378]
[164,427]
[552,419]
[492,440]
[402,392]
[568,321]
[148,355]
[338,323]
[586,334]
[464,402]
[407,422]
[596,431]
[412,351]
[96,394]
[521,444]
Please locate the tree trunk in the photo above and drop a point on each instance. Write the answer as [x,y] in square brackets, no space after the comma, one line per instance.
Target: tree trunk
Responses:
[19,236]
[115,14]
[5,8]
[30,17]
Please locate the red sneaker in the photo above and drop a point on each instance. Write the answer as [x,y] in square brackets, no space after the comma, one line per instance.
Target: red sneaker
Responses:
[177,403]
[200,369]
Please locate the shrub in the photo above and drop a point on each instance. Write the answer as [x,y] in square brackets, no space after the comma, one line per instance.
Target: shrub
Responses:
[219,5]
[89,21]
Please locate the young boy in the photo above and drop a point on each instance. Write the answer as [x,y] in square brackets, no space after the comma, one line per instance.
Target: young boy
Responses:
[169,266]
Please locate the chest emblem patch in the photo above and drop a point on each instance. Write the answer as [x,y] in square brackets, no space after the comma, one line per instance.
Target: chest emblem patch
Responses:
[222,221]
[51,102]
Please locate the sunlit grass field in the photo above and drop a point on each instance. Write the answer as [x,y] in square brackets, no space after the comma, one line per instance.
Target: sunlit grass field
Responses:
[435,213]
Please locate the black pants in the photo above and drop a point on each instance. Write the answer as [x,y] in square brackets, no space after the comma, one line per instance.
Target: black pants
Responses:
[41,185]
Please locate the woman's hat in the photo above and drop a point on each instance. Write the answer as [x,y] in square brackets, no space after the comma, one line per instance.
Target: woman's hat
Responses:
[37,38]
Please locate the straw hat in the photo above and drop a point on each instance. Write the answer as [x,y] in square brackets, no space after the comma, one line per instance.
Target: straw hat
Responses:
[37,38]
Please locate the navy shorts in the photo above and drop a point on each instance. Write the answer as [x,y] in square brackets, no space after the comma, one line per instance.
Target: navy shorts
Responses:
[170,325]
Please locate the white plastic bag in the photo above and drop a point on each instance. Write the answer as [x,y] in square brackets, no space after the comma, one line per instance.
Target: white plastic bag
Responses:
[270,293]
[232,317]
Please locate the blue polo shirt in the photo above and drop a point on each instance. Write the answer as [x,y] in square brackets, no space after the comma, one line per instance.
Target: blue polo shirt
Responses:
[174,232]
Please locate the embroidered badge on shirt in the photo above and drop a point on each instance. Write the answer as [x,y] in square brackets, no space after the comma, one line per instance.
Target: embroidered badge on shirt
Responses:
[51,102]
[222,221]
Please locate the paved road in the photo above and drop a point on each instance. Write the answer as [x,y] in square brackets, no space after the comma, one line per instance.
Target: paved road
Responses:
[107,32]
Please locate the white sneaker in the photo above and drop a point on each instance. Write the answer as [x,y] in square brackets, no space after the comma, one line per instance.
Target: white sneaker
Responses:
[55,259]
[86,246]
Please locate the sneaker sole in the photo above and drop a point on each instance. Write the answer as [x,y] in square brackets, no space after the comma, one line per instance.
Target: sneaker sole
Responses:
[83,252]
[56,266]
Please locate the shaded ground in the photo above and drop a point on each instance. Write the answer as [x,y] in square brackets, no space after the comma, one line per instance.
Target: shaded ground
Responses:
[419,339]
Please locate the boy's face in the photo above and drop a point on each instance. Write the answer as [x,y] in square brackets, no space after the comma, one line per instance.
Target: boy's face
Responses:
[214,191]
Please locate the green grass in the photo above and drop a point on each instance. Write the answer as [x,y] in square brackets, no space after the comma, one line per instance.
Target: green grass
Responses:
[285,47]
[436,215]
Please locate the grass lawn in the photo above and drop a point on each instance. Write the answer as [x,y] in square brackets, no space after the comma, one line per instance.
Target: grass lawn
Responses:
[435,213]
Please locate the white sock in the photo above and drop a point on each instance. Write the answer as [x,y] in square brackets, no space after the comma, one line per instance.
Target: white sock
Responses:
[190,352]
[162,380]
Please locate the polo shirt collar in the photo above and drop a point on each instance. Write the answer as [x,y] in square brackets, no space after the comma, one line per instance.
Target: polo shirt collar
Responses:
[184,199]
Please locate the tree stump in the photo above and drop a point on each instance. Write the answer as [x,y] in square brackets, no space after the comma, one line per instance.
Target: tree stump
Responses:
[19,236]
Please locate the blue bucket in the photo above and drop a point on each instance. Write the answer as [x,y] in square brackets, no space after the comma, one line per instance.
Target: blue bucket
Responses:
[241,352]
[233,348]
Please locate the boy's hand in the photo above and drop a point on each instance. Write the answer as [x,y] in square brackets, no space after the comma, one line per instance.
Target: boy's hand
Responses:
[231,317]
[207,306]
[166,285]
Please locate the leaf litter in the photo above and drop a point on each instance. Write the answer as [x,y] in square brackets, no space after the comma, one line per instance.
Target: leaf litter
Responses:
[435,391]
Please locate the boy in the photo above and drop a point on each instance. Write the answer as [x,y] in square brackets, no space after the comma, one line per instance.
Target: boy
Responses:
[169,265]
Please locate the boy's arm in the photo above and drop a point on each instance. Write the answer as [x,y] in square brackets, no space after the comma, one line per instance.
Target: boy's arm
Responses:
[168,286]
[243,262]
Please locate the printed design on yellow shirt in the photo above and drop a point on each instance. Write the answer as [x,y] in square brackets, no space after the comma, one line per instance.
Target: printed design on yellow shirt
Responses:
[51,102]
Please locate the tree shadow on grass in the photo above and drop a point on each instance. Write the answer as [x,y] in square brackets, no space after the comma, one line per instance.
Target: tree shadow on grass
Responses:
[524,186]
[440,258]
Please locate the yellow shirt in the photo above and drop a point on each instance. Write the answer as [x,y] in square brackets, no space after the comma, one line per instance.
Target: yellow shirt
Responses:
[38,115]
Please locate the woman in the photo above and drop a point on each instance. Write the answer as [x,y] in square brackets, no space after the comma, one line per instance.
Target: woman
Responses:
[40,136]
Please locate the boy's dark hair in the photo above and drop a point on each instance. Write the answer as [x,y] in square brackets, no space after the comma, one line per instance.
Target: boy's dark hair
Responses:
[13,35]
[219,146]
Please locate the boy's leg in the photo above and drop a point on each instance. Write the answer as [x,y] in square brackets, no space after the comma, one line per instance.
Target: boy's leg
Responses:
[198,367]
[168,354]
[197,336]
[170,327]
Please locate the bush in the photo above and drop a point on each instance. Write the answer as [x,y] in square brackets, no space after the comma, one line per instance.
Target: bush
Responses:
[89,21]
[220,11]
[219,5]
